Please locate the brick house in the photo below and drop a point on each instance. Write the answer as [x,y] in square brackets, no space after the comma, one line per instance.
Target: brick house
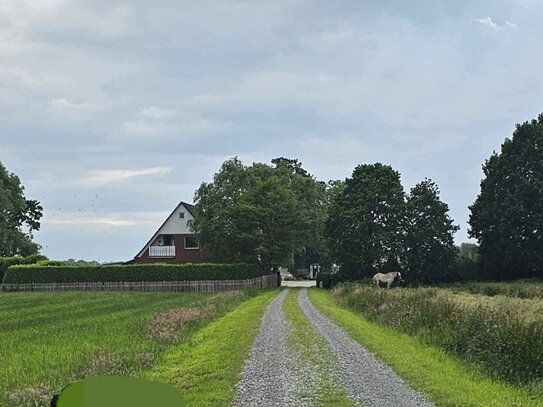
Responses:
[174,241]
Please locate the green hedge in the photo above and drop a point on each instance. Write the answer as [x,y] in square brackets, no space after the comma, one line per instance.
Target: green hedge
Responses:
[136,272]
[6,262]
[327,280]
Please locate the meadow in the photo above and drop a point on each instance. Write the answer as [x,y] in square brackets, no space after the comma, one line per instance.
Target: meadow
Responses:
[50,339]
[502,335]
[520,288]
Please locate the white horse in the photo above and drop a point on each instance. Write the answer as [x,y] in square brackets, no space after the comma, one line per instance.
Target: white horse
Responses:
[387,278]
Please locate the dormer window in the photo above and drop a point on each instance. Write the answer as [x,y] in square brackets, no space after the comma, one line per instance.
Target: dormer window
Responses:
[181,215]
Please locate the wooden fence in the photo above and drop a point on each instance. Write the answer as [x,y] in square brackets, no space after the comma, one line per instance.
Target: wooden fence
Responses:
[266,281]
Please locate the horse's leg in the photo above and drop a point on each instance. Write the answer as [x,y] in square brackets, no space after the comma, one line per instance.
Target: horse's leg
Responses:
[389,283]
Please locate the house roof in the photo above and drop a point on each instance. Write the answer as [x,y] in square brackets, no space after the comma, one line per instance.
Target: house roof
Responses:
[188,207]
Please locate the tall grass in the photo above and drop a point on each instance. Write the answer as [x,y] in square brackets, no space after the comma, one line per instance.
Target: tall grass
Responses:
[519,289]
[503,335]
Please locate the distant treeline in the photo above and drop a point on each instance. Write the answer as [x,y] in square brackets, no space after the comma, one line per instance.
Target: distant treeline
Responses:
[280,215]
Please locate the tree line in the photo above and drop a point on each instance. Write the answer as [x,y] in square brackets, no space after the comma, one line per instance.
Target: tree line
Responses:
[279,214]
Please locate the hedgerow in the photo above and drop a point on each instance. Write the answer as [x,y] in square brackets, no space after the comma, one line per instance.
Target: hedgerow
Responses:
[136,272]
[6,262]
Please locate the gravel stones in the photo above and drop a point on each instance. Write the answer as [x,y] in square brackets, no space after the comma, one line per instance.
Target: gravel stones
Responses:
[366,379]
[274,375]
[277,375]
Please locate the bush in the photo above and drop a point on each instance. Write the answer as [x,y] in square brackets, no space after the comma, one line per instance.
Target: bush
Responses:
[503,335]
[6,262]
[325,280]
[136,272]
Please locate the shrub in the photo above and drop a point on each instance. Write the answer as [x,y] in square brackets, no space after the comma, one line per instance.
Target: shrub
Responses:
[6,262]
[137,272]
[503,335]
[51,263]
[325,280]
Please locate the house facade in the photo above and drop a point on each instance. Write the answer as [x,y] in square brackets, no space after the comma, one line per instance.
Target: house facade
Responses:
[174,241]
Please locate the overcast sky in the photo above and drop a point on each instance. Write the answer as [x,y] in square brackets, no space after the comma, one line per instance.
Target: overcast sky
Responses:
[113,112]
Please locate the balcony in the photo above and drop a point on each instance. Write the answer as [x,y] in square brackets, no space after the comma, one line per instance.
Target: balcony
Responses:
[161,251]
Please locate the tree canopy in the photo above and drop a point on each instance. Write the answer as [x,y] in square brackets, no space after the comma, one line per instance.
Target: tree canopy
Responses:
[507,216]
[365,225]
[271,214]
[16,214]
[429,244]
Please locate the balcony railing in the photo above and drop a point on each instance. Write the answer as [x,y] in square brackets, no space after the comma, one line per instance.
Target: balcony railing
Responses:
[161,251]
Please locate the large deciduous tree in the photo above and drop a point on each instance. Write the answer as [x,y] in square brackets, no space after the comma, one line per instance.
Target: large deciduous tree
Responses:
[507,216]
[430,249]
[19,217]
[365,223]
[261,213]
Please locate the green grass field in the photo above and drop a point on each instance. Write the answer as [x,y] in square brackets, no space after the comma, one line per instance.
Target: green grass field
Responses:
[199,343]
[50,339]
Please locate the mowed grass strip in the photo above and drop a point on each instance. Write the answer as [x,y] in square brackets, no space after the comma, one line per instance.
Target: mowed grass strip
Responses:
[311,346]
[207,368]
[442,378]
[70,335]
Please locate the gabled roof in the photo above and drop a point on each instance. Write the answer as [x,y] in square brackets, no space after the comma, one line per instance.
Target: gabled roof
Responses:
[188,207]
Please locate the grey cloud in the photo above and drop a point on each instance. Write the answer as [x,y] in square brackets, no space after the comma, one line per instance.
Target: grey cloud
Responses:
[90,88]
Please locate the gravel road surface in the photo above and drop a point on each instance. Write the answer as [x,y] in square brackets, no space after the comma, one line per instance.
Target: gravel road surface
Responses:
[275,375]
[366,379]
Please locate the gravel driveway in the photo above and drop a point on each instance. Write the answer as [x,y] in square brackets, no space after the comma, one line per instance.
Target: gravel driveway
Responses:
[365,378]
[275,375]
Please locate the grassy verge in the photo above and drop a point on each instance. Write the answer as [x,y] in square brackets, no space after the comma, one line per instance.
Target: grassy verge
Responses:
[312,347]
[445,380]
[207,368]
[50,339]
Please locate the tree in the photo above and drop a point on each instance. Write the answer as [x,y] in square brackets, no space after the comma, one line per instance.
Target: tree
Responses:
[430,249]
[365,223]
[468,251]
[269,224]
[507,216]
[230,216]
[16,212]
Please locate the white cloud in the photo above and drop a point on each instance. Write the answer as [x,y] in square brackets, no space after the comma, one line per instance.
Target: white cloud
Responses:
[64,104]
[145,128]
[108,220]
[154,112]
[156,121]
[489,22]
[93,221]
[17,76]
[107,177]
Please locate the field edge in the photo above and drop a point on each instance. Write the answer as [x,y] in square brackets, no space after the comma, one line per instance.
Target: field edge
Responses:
[207,367]
[441,378]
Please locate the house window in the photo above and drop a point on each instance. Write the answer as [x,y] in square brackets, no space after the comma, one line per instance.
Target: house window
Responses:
[191,242]
[181,215]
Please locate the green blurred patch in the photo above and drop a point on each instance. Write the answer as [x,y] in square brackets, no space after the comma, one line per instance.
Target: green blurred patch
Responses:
[114,391]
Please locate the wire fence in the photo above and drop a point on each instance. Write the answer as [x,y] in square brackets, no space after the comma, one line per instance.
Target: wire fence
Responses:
[206,286]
